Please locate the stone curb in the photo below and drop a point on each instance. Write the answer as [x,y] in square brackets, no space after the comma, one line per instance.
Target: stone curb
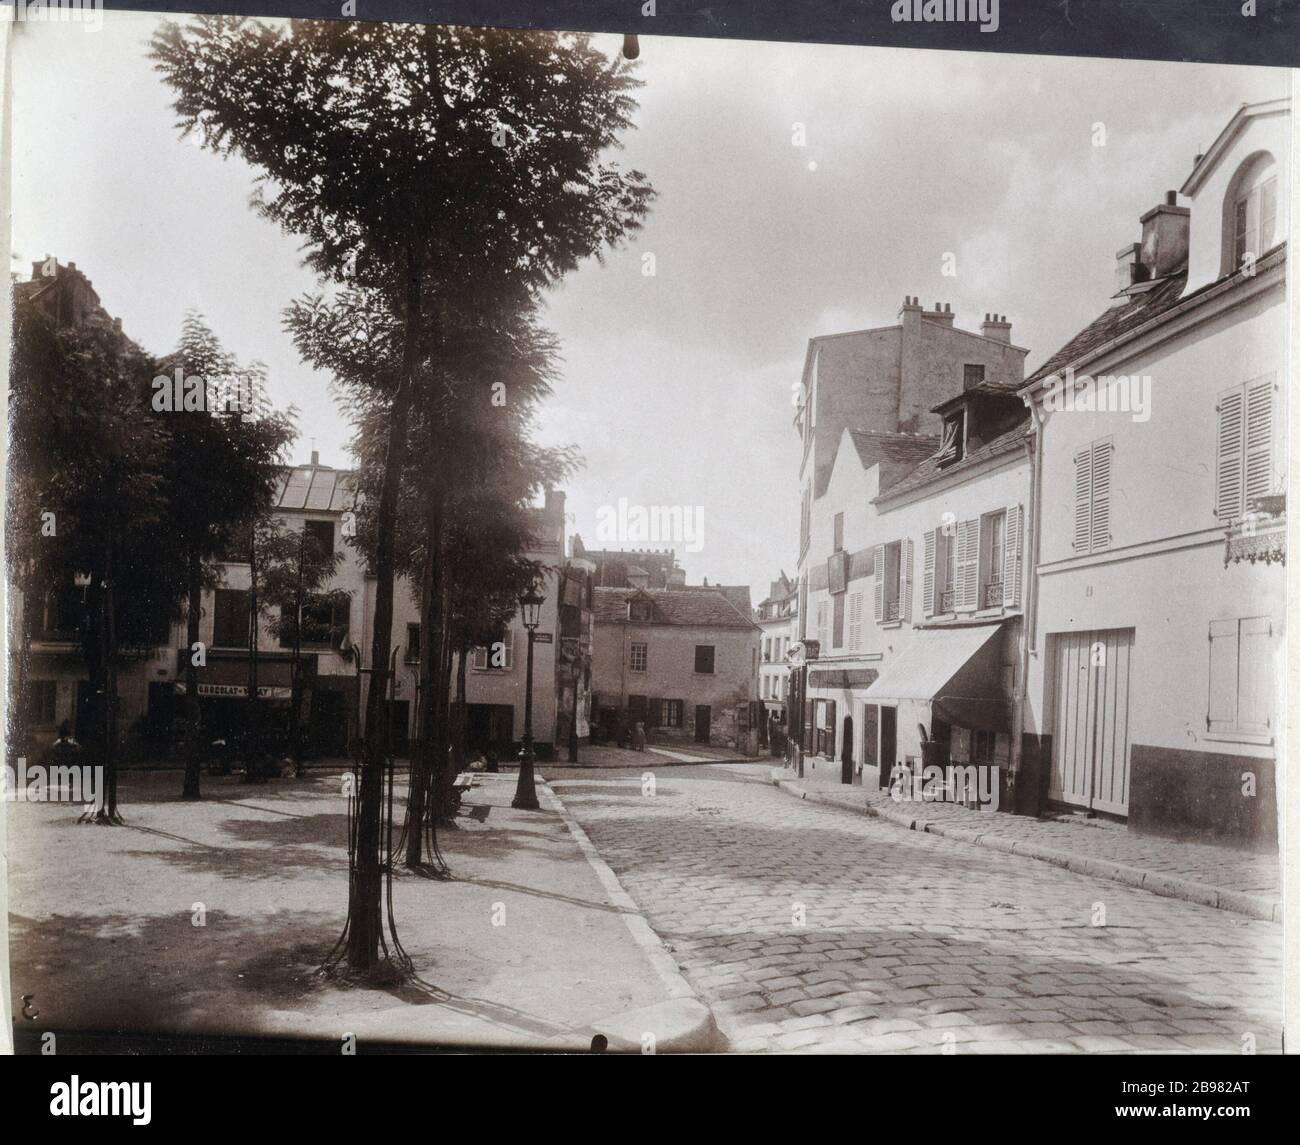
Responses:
[683,1024]
[1169,886]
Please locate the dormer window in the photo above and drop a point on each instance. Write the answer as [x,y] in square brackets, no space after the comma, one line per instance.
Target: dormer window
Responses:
[1254,220]
[1250,223]
[638,610]
[953,446]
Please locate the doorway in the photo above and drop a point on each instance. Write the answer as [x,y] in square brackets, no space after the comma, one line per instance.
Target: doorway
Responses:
[703,722]
[846,753]
[888,743]
[1090,703]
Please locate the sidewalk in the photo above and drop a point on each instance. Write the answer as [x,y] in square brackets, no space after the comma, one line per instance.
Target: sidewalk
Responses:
[655,755]
[1240,881]
[532,945]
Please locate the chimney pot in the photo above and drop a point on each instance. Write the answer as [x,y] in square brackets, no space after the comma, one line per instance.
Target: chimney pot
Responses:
[315,458]
[1171,198]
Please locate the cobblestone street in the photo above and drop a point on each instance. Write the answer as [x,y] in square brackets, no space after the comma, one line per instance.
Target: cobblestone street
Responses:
[807,927]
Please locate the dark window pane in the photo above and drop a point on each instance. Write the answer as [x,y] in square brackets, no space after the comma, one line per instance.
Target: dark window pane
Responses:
[704,658]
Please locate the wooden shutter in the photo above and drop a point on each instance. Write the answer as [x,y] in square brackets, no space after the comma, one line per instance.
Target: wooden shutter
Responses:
[1228,456]
[1011,557]
[1083,499]
[1101,451]
[1222,713]
[1259,440]
[855,621]
[829,743]
[879,566]
[966,578]
[1255,676]
[905,582]
[928,576]
[654,713]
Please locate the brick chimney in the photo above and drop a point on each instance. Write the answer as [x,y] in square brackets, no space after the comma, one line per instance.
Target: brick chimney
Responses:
[997,327]
[942,312]
[1128,267]
[555,504]
[315,459]
[1164,236]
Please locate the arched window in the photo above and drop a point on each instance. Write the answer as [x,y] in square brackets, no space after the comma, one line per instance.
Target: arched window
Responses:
[1250,212]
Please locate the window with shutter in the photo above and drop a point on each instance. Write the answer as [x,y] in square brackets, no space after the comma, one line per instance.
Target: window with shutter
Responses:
[1092,481]
[966,592]
[1101,453]
[1244,447]
[1083,500]
[1011,568]
[1228,466]
[855,621]
[927,575]
[1259,439]
[1241,676]
[1254,676]
[878,610]
[905,578]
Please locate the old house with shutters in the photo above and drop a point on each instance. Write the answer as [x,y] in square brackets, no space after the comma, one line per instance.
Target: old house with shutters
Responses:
[683,661]
[775,617]
[875,406]
[948,593]
[1154,655]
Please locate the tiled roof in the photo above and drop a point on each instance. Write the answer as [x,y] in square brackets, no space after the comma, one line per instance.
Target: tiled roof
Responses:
[929,469]
[315,489]
[905,447]
[697,605]
[1116,321]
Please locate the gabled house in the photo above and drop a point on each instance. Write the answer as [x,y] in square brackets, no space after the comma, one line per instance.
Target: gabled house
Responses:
[683,661]
[1155,651]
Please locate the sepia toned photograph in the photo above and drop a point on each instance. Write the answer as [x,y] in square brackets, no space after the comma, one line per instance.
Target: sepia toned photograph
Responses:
[523,541]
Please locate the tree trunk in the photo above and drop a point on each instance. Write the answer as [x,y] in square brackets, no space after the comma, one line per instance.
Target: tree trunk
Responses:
[461,715]
[108,633]
[253,736]
[295,679]
[194,607]
[424,764]
[366,887]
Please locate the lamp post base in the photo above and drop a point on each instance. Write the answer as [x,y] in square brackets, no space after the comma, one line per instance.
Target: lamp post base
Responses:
[526,789]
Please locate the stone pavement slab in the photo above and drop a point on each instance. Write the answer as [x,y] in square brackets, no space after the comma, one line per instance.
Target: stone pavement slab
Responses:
[814,928]
[1244,882]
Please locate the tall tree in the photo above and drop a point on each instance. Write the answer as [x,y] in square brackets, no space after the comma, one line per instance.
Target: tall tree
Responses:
[416,161]
[91,502]
[296,571]
[220,468]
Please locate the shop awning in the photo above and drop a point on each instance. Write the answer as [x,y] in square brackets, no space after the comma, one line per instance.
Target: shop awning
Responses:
[841,677]
[958,670]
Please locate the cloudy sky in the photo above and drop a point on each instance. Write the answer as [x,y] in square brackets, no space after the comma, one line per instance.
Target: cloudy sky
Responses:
[675,387]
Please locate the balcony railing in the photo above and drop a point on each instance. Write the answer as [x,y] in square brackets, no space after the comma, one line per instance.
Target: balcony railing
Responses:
[993,597]
[946,601]
[892,611]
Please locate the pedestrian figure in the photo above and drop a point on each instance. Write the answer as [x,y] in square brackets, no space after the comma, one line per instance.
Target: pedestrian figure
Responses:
[64,751]
[638,736]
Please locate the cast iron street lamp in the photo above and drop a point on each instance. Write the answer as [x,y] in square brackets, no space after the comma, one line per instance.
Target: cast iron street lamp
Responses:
[530,607]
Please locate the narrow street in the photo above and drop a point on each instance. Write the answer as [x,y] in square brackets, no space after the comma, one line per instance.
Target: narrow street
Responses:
[806,927]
